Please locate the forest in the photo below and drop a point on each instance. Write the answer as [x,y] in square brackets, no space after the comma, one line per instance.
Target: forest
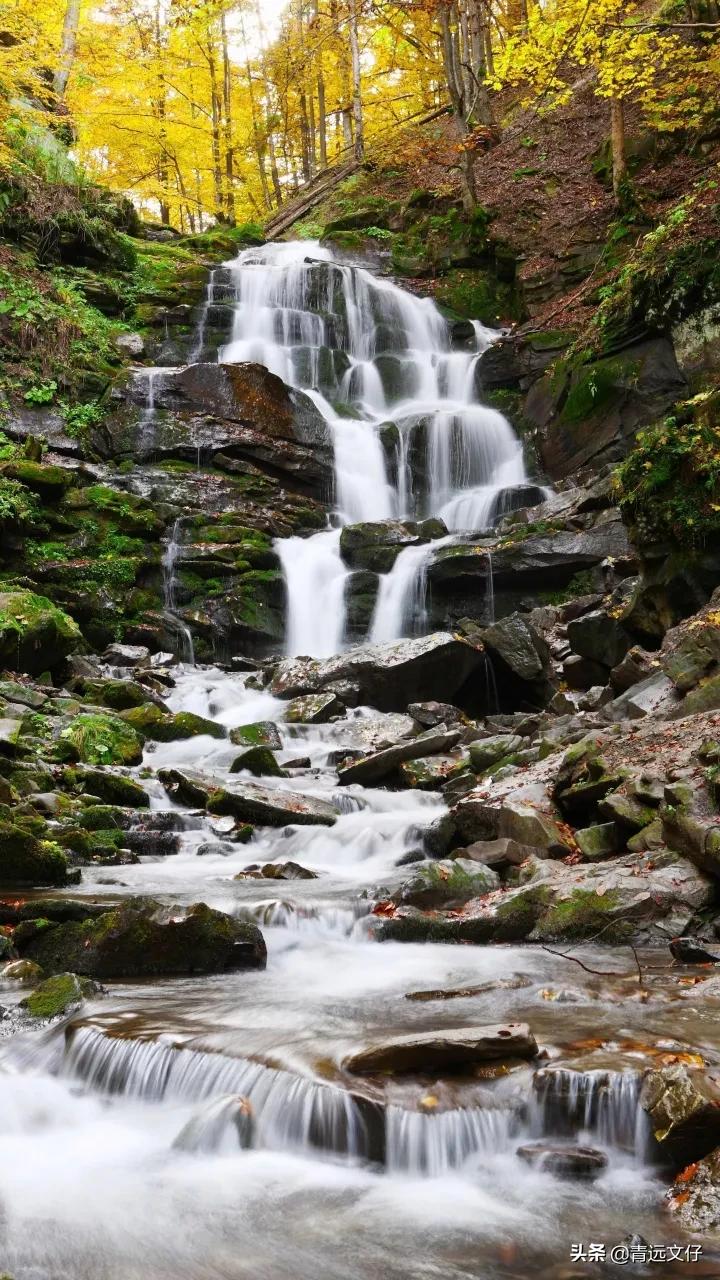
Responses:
[359,639]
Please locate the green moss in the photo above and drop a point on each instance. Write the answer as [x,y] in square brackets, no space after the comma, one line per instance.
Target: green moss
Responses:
[582,915]
[25,860]
[595,388]
[34,633]
[668,487]
[103,739]
[477,294]
[57,995]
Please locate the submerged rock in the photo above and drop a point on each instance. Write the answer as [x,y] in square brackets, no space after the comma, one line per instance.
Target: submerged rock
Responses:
[455,1047]
[586,1163]
[263,733]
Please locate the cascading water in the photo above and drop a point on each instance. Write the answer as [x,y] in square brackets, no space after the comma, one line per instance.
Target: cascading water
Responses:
[398,401]
[185,646]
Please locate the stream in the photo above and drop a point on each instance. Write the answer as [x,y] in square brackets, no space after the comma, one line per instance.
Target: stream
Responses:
[120,1151]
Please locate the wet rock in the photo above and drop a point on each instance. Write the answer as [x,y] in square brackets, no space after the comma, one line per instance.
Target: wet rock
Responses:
[22,971]
[101,738]
[436,884]
[113,788]
[261,734]
[139,939]
[250,802]
[684,1111]
[59,995]
[431,1051]
[277,871]
[371,769]
[440,835]
[130,345]
[375,546]
[316,708]
[388,676]
[694,1198]
[25,860]
[260,761]
[161,725]
[35,635]
[573,1163]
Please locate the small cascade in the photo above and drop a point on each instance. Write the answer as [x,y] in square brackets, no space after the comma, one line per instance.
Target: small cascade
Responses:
[185,645]
[602,1104]
[148,380]
[378,363]
[433,1145]
[401,605]
[198,347]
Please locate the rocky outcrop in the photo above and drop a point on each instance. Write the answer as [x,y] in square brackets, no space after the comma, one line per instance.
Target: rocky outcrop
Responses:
[389,676]
[240,411]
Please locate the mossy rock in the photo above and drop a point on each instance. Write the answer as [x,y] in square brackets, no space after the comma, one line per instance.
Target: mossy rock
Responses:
[26,860]
[113,788]
[46,480]
[118,695]
[58,995]
[35,635]
[139,939]
[260,761]
[103,817]
[583,914]
[162,726]
[263,733]
[103,739]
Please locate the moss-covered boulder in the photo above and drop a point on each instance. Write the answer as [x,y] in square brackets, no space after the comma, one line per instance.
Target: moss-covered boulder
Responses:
[436,884]
[58,995]
[261,734]
[140,938]
[154,722]
[112,788]
[259,761]
[103,739]
[34,634]
[26,860]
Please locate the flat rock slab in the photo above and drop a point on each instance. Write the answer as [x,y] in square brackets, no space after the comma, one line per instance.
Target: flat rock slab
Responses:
[388,676]
[457,1047]
[373,768]
[250,802]
[586,1163]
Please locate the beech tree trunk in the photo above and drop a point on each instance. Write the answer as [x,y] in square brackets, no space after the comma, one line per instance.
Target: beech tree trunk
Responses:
[71,22]
[228,126]
[357,84]
[619,154]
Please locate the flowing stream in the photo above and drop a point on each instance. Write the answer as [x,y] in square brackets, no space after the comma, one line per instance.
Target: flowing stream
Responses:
[126,1152]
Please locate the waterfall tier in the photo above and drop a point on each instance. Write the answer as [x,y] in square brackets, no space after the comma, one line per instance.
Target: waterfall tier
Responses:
[410,437]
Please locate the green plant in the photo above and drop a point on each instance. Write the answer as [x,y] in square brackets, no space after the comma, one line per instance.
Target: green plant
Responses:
[41,393]
[80,418]
[17,503]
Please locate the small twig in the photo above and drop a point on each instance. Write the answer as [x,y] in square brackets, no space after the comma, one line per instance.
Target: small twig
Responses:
[565,955]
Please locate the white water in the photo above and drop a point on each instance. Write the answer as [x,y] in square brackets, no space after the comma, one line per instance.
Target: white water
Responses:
[369,354]
[185,645]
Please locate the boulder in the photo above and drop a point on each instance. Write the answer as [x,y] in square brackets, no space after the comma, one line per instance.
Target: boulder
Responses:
[249,802]
[525,815]
[600,841]
[314,708]
[371,769]
[58,995]
[126,655]
[486,752]
[691,650]
[261,734]
[101,738]
[655,695]
[433,1051]
[519,647]
[139,939]
[277,871]
[34,634]
[388,676]
[376,546]
[160,725]
[113,788]
[598,636]
[437,884]
[430,714]
[684,1111]
[25,860]
[430,773]
[260,761]
[498,854]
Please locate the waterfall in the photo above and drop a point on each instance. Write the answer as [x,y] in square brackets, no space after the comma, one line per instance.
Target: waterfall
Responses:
[198,346]
[375,360]
[186,648]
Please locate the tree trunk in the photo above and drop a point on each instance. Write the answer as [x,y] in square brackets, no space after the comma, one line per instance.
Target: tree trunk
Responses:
[357,84]
[215,110]
[71,22]
[619,156]
[227,126]
[322,119]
